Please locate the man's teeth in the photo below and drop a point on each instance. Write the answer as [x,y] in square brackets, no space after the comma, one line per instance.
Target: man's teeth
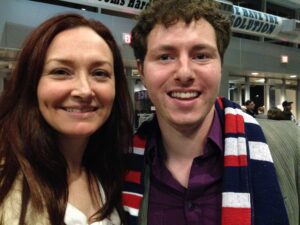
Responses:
[184,94]
[79,110]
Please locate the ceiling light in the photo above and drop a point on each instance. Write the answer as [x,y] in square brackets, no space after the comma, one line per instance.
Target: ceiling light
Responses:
[293,76]
[261,80]
[254,73]
[284,59]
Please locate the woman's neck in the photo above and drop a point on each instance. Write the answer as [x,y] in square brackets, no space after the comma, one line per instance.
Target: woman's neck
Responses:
[73,149]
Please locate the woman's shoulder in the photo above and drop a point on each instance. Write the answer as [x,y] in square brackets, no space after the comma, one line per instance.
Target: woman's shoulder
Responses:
[11,207]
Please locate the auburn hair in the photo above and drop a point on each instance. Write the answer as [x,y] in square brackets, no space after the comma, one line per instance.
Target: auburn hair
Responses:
[28,145]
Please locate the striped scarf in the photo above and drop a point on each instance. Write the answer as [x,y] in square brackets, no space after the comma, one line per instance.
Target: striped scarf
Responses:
[251,194]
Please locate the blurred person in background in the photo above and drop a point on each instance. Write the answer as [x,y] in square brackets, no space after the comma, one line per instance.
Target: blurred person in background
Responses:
[250,108]
[287,111]
[275,113]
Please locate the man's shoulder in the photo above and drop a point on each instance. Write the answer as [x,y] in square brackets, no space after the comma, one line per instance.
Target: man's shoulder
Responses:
[144,133]
[282,125]
[283,140]
[281,133]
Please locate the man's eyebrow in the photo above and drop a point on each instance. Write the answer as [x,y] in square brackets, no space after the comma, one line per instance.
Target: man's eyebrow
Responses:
[166,47]
[204,46]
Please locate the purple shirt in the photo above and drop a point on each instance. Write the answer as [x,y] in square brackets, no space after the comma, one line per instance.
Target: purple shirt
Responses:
[200,203]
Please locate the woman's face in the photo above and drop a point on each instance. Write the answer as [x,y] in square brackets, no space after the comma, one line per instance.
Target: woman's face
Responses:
[77,86]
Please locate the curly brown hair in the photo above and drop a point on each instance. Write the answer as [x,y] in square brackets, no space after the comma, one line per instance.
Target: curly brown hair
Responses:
[169,12]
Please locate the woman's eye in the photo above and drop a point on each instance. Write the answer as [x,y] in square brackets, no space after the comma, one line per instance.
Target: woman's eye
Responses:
[59,71]
[100,73]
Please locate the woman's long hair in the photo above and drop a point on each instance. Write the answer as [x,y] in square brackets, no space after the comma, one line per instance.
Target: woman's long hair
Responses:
[28,145]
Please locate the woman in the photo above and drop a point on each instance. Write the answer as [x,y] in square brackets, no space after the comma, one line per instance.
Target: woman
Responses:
[65,120]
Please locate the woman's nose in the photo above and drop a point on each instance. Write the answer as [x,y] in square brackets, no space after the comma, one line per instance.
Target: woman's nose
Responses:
[83,88]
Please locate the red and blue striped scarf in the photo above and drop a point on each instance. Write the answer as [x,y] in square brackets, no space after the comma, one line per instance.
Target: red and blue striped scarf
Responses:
[251,193]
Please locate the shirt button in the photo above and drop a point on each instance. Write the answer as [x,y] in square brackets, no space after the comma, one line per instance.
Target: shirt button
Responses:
[190,205]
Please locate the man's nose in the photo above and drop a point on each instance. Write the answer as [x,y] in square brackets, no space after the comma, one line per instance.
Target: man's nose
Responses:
[184,73]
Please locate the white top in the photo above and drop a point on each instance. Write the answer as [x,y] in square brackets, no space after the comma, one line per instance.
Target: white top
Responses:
[74,216]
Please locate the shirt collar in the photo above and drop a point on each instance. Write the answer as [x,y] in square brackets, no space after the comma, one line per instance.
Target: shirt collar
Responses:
[216,132]
[155,147]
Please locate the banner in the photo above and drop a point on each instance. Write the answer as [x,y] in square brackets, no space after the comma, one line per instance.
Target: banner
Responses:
[254,22]
[244,20]
[130,4]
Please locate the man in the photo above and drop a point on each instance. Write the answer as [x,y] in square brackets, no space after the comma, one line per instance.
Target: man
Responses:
[250,107]
[284,143]
[287,111]
[201,160]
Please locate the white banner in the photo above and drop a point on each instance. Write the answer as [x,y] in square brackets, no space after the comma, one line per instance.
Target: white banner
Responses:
[254,22]
[244,20]
[130,6]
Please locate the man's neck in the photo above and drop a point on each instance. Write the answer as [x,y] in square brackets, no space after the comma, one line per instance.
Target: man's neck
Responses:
[183,145]
[186,142]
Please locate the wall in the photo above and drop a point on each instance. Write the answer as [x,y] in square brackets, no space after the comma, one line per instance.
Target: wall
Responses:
[248,55]
[18,17]
[252,55]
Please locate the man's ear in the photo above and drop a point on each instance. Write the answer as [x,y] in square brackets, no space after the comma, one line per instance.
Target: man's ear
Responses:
[140,68]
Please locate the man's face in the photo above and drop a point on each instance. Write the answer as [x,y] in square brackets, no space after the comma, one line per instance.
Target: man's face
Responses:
[182,72]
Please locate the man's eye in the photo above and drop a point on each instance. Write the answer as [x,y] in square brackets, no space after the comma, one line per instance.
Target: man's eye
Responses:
[201,56]
[165,57]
